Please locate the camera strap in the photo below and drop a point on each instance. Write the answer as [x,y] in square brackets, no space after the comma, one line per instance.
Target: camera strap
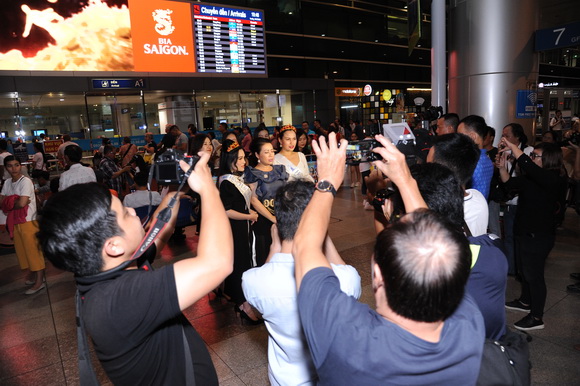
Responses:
[162,218]
[87,376]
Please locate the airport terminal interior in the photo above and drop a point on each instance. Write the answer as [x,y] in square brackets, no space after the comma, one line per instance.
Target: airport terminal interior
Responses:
[305,60]
[38,334]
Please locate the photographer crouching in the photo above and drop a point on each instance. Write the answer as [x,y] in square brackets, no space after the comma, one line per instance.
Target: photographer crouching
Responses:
[133,313]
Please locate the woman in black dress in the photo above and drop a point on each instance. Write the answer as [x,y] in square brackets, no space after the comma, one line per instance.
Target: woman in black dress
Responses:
[236,196]
[264,179]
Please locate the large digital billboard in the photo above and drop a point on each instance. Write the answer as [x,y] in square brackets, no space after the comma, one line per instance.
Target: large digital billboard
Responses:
[131,35]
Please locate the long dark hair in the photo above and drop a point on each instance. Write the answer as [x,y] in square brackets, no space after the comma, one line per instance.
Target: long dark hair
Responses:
[228,158]
[306,149]
[196,143]
[552,157]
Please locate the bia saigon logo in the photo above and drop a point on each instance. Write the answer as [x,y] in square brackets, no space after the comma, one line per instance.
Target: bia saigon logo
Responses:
[163,19]
[164,27]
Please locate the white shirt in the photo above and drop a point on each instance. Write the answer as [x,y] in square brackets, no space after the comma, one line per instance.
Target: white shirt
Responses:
[141,198]
[76,174]
[22,187]
[475,212]
[516,172]
[38,161]
[271,289]
[554,126]
[295,172]
[60,150]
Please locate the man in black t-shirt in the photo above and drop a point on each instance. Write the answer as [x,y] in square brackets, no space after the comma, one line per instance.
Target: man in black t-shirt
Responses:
[133,315]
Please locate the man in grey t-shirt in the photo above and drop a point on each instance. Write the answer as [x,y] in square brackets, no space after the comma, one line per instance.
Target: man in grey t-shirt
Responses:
[424,330]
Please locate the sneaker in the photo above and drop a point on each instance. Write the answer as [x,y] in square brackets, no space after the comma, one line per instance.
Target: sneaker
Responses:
[575,276]
[529,323]
[516,305]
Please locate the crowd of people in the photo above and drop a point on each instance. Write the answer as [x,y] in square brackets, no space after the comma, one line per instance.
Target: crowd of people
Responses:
[439,268]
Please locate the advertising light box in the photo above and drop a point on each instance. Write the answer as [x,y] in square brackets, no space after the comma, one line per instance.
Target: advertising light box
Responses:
[132,35]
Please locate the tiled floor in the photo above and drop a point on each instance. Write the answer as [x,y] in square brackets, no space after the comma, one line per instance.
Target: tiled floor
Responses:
[38,336]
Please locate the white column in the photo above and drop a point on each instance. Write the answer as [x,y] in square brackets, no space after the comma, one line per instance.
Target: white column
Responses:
[438,55]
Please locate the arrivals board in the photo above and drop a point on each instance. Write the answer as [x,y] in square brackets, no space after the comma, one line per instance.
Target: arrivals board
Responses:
[229,40]
[155,36]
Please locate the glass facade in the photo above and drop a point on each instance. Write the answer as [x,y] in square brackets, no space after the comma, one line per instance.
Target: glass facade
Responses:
[94,115]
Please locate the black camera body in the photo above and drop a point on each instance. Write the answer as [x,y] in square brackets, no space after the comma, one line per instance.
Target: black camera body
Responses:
[380,197]
[362,151]
[166,168]
[433,113]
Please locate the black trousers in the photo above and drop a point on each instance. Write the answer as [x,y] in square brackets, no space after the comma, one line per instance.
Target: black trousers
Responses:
[531,253]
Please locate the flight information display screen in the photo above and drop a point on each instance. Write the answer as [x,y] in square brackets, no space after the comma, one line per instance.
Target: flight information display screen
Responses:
[229,40]
[133,35]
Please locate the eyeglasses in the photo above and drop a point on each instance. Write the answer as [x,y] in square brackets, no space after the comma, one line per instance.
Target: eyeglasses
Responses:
[534,156]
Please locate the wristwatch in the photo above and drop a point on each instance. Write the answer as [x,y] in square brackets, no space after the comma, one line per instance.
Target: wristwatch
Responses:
[325,186]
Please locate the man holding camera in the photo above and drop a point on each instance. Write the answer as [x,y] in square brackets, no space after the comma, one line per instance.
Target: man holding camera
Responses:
[424,330]
[134,315]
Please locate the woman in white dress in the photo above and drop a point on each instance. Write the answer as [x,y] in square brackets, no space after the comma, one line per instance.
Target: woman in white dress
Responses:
[294,162]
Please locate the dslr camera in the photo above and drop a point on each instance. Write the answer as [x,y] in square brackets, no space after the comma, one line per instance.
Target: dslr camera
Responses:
[362,151]
[381,196]
[166,169]
[432,113]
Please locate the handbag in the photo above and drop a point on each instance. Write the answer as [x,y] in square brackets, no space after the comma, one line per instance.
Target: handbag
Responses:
[506,361]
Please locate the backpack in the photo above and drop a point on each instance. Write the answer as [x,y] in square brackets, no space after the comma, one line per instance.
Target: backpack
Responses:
[505,361]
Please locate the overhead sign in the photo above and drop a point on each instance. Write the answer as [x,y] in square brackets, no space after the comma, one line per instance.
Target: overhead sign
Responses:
[133,35]
[118,83]
[162,36]
[346,91]
[558,37]
[526,104]
[229,40]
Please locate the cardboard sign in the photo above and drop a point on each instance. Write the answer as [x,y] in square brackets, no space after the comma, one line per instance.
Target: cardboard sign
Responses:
[51,146]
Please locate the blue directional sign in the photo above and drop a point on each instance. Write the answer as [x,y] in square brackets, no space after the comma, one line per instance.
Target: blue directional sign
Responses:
[109,84]
[558,37]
